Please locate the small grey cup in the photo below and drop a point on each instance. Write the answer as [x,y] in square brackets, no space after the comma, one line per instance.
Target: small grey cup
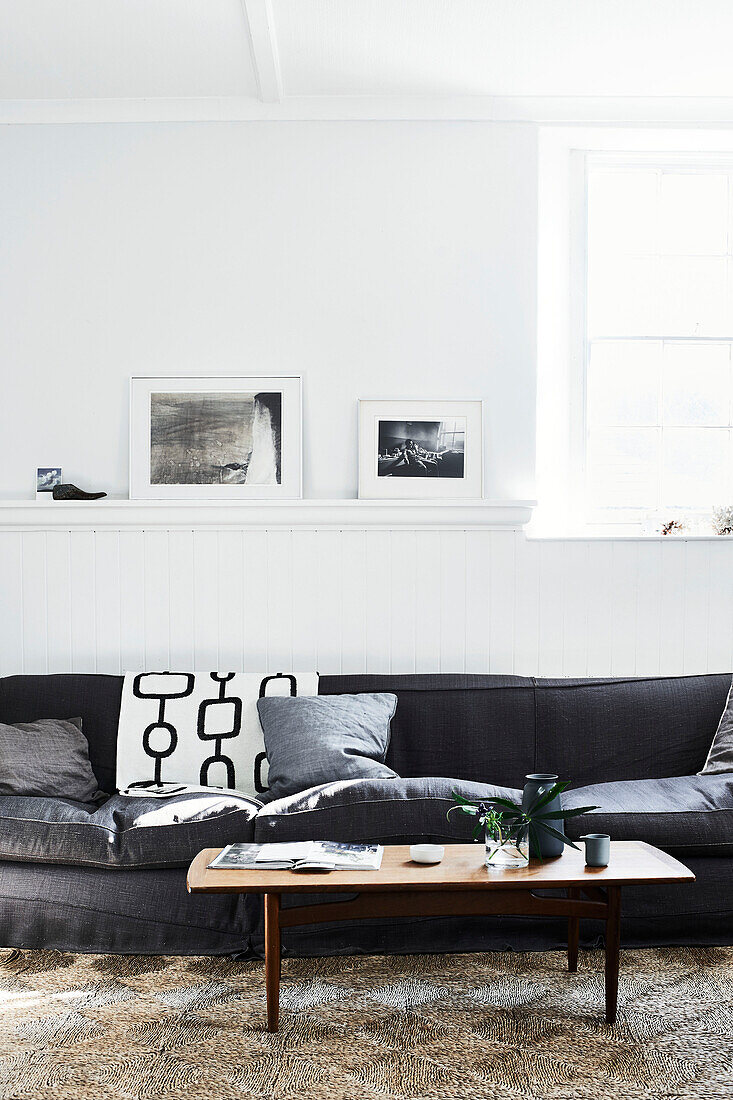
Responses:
[597,849]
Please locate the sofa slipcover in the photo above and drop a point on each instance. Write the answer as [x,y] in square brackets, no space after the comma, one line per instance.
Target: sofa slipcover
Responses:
[477,728]
[614,729]
[94,697]
[126,912]
[123,832]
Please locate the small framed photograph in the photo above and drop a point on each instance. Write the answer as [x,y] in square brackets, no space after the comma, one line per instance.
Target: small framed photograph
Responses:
[215,437]
[421,450]
[47,478]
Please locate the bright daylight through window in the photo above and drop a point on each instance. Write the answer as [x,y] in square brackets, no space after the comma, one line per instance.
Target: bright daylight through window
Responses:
[658,333]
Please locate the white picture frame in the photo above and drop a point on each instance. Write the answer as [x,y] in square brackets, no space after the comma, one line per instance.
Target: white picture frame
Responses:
[216,464]
[440,430]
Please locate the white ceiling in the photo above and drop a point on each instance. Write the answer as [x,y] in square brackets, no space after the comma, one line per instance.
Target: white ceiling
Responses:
[506,47]
[101,49]
[265,50]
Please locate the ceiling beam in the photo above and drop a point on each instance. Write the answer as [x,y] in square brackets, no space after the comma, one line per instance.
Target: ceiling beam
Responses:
[263,45]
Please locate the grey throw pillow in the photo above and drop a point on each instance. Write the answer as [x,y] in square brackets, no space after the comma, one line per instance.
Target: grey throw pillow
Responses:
[317,739]
[720,757]
[48,757]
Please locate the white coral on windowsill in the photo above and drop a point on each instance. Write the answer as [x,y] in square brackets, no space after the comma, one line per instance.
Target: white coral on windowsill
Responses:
[723,520]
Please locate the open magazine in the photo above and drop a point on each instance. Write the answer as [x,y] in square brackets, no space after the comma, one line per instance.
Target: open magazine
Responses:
[328,855]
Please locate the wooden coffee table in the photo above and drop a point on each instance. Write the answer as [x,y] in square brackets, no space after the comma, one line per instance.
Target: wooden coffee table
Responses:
[459,886]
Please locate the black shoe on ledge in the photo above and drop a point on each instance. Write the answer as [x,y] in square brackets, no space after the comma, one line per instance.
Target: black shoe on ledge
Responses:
[72,492]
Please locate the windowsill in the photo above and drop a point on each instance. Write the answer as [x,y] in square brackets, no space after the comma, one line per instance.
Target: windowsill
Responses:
[557,521]
[620,536]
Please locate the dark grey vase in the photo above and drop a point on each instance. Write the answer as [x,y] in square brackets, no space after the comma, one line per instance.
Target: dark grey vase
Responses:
[536,784]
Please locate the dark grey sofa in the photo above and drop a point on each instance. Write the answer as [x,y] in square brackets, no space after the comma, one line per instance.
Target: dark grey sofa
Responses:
[112,878]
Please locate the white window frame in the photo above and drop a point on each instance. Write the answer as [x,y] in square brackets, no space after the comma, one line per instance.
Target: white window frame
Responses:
[564,157]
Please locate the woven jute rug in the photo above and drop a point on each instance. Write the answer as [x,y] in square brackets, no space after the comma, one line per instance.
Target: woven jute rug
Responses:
[470,1027]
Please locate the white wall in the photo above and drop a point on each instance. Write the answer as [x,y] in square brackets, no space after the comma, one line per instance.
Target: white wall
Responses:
[380,259]
[377,259]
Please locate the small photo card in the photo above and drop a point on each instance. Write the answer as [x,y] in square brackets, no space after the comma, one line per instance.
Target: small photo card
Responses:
[47,477]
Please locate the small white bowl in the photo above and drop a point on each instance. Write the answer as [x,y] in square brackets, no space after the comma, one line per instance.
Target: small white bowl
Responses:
[426,853]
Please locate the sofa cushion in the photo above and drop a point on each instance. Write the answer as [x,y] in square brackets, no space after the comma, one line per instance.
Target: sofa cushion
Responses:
[388,811]
[689,813]
[312,740]
[123,832]
[47,758]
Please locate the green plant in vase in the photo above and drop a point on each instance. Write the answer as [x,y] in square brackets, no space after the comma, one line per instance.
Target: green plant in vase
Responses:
[507,828]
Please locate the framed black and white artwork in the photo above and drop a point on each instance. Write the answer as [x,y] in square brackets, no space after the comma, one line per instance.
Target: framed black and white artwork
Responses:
[421,450]
[215,437]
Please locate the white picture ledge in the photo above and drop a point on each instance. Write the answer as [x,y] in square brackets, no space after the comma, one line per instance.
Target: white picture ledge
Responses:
[111,514]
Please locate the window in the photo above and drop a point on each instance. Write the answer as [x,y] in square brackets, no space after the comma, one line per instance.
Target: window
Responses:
[657,331]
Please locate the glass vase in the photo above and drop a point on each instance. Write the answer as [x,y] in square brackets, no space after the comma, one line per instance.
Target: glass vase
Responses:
[507,852]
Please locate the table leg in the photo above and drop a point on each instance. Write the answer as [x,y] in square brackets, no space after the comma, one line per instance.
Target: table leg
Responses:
[573,932]
[613,942]
[272,959]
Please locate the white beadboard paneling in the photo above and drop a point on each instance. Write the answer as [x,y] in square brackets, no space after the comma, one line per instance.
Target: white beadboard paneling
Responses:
[551,610]
[230,586]
[575,610]
[478,621]
[354,600]
[11,577]
[207,594]
[379,623]
[83,602]
[453,598]
[328,607]
[107,600]
[35,651]
[182,588]
[648,607]
[58,600]
[428,618]
[254,601]
[502,600]
[404,548]
[305,600]
[720,607]
[696,614]
[527,607]
[279,601]
[671,610]
[157,600]
[133,620]
[600,609]
[624,620]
